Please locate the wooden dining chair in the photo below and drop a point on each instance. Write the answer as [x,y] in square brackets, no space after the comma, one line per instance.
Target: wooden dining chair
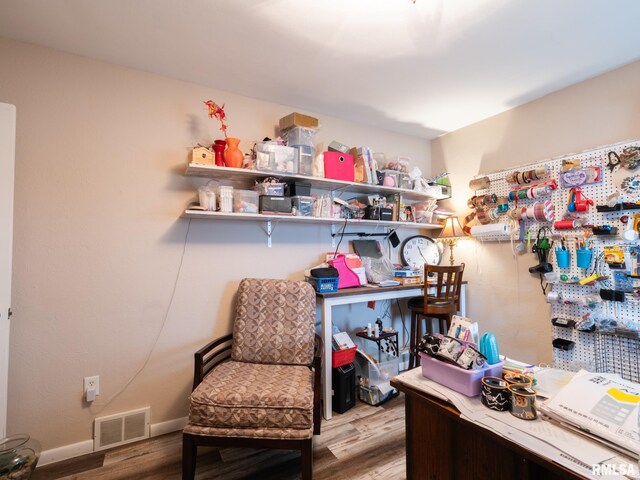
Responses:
[441,300]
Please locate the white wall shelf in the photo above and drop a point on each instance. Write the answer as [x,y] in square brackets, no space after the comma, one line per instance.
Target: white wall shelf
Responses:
[246,175]
[260,217]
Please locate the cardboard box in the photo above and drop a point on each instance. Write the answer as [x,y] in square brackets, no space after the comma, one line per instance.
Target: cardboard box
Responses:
[298,120]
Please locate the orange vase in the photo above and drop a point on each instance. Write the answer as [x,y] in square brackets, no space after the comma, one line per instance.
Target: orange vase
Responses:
[233,156]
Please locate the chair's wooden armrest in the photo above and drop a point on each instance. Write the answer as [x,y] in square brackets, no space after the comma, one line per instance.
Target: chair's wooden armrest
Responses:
[317,367]
[317,352]
[209,356]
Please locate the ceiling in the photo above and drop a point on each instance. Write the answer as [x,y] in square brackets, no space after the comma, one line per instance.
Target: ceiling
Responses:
[420,68]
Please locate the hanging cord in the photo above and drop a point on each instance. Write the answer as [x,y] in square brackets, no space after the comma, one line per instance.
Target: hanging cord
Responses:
[341,237]
[160,330]
[405,344]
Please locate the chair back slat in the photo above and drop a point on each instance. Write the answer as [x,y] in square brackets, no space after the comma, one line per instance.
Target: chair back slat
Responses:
[448,282]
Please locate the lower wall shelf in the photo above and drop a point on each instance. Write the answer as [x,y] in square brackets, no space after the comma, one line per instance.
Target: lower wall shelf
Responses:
[257,217]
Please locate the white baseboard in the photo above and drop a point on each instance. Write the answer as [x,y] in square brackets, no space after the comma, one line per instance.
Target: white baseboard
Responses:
[157,429]
[63,453]
[82,448]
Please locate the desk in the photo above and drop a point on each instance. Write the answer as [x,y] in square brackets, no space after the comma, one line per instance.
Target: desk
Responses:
[442,445]
[349,296]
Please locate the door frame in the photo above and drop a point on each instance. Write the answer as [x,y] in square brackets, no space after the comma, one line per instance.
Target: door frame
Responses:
[7,169]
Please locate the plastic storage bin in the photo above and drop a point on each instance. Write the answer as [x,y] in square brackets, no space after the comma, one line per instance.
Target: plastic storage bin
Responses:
[272,189]
[300,136]
[245,201]
[305,160]
[467,382]
[342,357]
[302,206]
[382,372]
[391,178]
[226,199]
[323,285]
[404,181]
[276,158]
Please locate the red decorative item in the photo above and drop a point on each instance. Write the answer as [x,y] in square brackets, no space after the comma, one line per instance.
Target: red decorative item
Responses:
[218,148]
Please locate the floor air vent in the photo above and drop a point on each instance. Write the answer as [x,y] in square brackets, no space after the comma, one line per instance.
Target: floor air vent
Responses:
[121,428]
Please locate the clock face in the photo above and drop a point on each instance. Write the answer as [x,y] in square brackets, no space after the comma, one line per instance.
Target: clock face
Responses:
[418,250]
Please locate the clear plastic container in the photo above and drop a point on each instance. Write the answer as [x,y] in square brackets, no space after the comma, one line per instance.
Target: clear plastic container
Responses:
[300,136]
[245,201]
[271,189]
[276,158]
[391,178]
[302,206]
[404,181]
[305,160]
[383,372]
[226,199]
[207,198]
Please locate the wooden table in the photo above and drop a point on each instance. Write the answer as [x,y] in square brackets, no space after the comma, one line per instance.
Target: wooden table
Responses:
[348,296]
[441,445]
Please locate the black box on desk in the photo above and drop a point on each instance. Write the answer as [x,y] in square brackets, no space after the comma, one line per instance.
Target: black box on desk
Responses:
[378,213]
[344,387]
[274,204]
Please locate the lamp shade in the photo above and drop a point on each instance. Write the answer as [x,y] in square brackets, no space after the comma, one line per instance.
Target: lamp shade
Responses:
[452,228]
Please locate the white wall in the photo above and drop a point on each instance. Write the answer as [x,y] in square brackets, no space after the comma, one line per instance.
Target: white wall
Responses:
[98,240]
[503,296]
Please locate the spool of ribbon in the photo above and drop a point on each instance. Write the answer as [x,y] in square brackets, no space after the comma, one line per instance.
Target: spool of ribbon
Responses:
[479,183]
[528,176]
[483,216]
[566,224]
[554,297]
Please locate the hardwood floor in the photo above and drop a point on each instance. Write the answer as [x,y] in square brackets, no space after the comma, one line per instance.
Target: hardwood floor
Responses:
[364,443]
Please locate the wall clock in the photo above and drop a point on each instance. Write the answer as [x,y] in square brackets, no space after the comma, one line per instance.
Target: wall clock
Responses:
[418,250]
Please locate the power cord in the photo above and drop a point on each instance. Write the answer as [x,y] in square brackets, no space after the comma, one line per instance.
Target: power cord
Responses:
[164,321]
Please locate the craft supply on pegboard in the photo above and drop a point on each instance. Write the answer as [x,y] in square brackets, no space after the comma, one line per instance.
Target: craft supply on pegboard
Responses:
[580,198]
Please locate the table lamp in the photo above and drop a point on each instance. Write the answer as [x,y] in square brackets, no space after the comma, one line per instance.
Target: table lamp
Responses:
[450,232]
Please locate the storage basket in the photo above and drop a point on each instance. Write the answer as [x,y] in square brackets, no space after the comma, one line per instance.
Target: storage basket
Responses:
[324,285]
[467,382]
[342,357]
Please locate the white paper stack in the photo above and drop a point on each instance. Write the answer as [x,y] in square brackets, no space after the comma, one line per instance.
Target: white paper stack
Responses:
[601,405]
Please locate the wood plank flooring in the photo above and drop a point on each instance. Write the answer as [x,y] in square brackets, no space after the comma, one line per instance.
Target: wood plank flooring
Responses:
[363,443]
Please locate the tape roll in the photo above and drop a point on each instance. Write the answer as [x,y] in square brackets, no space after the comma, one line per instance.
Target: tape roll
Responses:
[554,297]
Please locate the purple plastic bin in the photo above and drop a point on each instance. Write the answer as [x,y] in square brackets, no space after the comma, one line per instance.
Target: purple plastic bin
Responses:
[467,382]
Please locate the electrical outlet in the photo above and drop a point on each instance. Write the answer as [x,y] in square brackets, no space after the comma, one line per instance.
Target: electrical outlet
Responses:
[92,382]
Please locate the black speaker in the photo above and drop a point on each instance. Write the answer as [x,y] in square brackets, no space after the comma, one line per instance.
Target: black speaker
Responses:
[344,387]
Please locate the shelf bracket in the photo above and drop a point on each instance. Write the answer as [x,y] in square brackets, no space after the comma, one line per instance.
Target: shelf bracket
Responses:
[269,231]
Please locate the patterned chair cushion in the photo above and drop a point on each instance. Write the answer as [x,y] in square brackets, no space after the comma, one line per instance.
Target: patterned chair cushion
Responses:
[241,395]
[271,433]
[275,322]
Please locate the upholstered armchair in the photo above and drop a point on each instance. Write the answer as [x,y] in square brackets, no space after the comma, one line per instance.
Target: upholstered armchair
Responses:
[259,387]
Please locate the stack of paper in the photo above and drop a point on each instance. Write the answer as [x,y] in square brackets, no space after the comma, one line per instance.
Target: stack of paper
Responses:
[601,405]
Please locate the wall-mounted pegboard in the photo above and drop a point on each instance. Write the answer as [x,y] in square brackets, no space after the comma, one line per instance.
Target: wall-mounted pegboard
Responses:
[575,301]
